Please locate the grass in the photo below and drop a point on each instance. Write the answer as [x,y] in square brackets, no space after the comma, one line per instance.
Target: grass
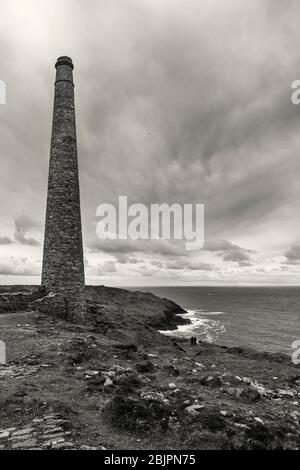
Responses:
[139,410]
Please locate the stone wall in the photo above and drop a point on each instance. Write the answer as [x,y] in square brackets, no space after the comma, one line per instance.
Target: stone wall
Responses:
[16,301]
[58,305]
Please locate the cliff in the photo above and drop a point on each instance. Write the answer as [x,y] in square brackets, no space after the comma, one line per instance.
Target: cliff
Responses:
[115,382]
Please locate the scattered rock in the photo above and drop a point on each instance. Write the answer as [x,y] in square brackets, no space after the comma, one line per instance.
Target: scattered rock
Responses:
[53,430]
[108,382]
[295,415]
[235,392]
[91,373]
[193,410]
[211,380]
[258,420]
[241,426]
[147,381]
[27,444]
[251,394]
[23,432]
[55,437]
[62,445]
[110,374]
[85,447]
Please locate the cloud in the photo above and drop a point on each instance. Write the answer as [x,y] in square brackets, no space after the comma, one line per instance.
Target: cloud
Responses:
[241,257]
[108,267]
[229,251]
[202,267]
[5,241]
[23,224]
[188,265]
[162,247]
[174,104]
[124,259]
[292,255]
[19,267]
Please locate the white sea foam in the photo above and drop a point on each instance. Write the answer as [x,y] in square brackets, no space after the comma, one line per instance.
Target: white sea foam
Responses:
[203,328]
[210,313]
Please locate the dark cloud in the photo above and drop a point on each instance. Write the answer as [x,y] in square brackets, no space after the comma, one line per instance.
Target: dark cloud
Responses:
[240,257]
[202,267]
[5,241]
[162,247]
[188,265]
[230,252]
[108,267]
[175,102]
[292,255]
[124,259]
[23,225]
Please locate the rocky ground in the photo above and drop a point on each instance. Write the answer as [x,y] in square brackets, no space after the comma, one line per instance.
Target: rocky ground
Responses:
[116,383]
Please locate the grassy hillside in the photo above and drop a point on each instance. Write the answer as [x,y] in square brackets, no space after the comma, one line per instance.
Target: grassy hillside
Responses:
[115,382]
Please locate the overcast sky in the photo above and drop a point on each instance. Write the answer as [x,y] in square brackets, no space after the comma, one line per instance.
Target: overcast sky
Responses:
[183,101]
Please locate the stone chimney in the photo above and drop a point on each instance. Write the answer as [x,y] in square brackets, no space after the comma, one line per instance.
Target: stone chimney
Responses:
[63,266]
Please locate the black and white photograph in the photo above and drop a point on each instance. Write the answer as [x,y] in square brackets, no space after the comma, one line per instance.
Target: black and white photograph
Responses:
[149,228]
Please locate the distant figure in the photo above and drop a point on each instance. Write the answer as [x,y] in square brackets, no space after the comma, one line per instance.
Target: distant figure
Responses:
[193,340]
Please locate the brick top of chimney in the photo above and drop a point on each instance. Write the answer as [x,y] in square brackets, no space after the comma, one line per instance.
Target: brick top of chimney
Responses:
[64,60]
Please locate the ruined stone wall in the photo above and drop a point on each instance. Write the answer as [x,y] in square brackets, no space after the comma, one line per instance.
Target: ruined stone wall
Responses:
[63,267]
[17,301]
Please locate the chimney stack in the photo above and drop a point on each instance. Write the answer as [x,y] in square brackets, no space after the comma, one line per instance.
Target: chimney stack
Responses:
[63,266]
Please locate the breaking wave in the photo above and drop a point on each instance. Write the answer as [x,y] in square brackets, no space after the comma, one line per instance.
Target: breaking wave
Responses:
[203,328]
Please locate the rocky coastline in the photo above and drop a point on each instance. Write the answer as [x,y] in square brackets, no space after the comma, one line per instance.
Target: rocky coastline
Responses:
[115,382]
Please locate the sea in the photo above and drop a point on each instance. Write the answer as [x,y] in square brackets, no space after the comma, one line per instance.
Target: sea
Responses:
[262,318]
